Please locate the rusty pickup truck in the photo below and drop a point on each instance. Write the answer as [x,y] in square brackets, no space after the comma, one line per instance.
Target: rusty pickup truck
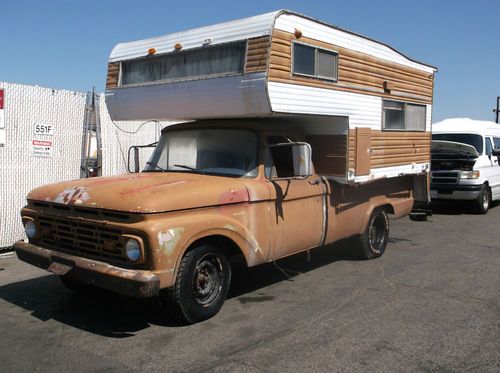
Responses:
[211,191]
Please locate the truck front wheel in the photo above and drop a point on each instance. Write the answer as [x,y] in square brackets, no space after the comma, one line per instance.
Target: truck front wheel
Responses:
[201,285]
[372,242]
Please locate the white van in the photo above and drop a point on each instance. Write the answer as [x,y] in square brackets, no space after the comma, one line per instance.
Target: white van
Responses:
[464,161]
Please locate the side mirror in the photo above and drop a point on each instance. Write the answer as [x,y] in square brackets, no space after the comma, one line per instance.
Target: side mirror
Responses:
[134,156]
[495,152]
[135,159]
[292,159]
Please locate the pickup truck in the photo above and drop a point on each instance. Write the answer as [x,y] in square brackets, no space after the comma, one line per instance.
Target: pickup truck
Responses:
[211,191]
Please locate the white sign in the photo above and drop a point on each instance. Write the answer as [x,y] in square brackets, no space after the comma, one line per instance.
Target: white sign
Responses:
[43,129]
[41,148]
[2,105]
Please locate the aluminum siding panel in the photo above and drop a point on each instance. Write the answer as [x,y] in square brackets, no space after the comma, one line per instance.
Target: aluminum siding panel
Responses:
[220,33]
[362,110]
[236,96]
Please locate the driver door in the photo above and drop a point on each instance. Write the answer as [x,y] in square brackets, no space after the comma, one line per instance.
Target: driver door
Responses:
[298,205]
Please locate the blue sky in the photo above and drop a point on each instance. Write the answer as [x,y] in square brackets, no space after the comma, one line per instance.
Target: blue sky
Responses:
[65,44]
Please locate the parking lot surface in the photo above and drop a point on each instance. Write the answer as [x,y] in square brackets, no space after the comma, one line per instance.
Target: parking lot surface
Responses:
[431,303]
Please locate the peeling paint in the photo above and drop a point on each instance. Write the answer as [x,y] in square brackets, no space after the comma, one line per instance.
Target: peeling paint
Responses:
[230,227]
[167,241]
[73,196]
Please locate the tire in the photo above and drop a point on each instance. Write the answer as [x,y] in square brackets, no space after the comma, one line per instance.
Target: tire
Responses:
[201,285]
[483,201]
[75,285]
[372,242]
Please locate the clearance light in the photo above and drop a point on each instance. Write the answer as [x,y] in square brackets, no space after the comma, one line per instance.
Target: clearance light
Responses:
[469,174]
[297,33]
[151,51]
[178,46]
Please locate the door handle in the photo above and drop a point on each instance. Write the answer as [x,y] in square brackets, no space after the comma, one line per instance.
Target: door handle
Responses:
[315,181]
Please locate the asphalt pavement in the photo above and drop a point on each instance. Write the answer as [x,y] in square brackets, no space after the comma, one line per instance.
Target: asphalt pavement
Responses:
[431,303]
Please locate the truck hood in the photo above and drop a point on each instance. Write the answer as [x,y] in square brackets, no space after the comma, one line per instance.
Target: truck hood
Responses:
[146,192]
[449,155]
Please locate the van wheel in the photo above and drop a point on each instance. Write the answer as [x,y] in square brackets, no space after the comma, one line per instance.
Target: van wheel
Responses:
[201,285]
[482,203]
[373,241]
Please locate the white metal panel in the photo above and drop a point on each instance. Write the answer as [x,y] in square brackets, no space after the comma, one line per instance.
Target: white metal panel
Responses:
[235,96]
[220,33]
[20,172]
[328,34]
[393,171]
[362,110]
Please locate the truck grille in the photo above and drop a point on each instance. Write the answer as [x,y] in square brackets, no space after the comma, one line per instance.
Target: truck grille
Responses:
[83,239]
[445,177]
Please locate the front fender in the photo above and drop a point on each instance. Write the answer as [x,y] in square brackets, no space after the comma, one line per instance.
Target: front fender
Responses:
[170,238]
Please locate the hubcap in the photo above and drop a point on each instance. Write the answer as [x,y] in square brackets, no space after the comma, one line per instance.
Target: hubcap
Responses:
[486,200]
[376,234]
[207,280]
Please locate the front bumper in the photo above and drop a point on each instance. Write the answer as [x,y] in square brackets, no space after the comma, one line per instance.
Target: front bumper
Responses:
[458,192]
[136,283]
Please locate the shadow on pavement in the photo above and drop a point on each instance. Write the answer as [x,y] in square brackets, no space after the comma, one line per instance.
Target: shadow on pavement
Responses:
[455,207]
[117,316]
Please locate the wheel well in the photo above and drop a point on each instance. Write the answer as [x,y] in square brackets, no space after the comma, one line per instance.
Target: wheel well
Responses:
[387,207]
[228,247]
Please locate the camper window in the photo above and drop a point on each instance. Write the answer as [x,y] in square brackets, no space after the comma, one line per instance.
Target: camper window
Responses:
[403,116]
[314,62]
[204,62]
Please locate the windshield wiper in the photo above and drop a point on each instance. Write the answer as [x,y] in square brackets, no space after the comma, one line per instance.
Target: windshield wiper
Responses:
[190,168]
[156,166]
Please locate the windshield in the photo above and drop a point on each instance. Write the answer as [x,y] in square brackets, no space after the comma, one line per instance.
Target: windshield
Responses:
[465,138]
[228,152]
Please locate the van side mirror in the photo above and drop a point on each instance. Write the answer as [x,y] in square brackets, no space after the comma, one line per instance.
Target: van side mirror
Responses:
[495,152]
[292,159]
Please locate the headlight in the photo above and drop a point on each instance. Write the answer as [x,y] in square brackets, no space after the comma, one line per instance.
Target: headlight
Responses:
[30,229]
[469,174]
[133,249]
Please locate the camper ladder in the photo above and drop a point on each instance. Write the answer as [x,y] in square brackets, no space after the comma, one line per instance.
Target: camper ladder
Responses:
[91,163]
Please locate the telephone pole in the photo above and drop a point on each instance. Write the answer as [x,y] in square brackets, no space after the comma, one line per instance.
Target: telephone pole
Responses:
[497,110]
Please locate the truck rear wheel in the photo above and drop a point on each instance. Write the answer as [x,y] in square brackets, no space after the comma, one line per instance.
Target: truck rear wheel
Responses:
[482,203]
[373,241]
[201,285]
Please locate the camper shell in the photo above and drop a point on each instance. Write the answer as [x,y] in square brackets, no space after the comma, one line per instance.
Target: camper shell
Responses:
[282,64]
[294,134]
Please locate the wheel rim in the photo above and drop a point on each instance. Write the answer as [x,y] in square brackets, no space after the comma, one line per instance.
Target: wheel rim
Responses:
[486,200]
[207,280]
[376,234]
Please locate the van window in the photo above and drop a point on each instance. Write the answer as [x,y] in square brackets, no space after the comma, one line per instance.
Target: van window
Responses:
[496,141]
[489,147]
[465,138]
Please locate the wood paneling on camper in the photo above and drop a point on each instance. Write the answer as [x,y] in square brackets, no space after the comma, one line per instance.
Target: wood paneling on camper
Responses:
[390,148]
[329,154]
[257,54]
[358,72]
[113,73]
